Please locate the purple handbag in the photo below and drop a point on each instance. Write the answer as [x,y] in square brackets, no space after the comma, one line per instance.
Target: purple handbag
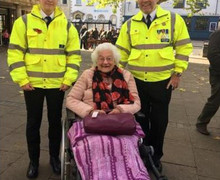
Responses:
[110,124]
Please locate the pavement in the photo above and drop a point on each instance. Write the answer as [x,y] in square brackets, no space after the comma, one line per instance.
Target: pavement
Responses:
[188,155]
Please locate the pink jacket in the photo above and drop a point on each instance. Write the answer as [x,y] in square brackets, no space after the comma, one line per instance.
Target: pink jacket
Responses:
[80,98]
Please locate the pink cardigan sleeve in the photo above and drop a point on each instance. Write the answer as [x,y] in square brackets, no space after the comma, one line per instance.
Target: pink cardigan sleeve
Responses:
[74,100]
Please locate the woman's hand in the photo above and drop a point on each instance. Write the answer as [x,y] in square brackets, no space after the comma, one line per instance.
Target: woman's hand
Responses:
[115,111]
[101,111]
[98,111]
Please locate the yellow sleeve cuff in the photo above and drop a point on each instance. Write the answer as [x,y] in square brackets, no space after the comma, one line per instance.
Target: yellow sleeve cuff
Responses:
[178,70]
[22,83]
[67,82]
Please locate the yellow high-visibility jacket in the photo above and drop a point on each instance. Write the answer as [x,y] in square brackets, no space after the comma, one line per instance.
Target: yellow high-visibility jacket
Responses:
[154,54]
[44,57]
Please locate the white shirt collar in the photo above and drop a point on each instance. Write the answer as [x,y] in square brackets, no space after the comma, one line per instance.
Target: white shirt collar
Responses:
[152,15]
[44,15]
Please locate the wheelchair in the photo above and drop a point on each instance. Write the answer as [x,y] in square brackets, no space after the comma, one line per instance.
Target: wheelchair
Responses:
[69,168]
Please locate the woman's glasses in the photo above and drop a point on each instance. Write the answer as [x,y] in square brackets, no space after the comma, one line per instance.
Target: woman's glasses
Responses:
[105,58]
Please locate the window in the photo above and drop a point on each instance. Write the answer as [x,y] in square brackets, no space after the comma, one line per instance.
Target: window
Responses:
[201,23]
[64,1]
[78,16]
[180,4]
[212,26]
[78,3]
[200,5]
[89,17]
[188,22]
[101,17]
[128,6]
[113,19]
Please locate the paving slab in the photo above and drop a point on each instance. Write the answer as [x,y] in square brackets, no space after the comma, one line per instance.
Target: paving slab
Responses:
[13,143]
[8,160]
[12,120]
[206,178]
[177,113]
[5,109]
[178,153]
[205,142]
[204,162]
[175,133]
[17,170]
[179,172]
[4,131]
[8,91]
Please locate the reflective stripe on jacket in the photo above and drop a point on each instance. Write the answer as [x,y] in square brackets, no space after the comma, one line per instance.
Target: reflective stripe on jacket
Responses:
[153,54]
[44,56]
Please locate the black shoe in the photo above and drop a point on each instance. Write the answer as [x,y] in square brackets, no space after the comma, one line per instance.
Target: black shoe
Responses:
[202,129]
[56,165]
[159,166]
[32,171]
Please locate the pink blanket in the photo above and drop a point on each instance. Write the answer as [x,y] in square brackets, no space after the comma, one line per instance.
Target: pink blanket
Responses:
[101,157]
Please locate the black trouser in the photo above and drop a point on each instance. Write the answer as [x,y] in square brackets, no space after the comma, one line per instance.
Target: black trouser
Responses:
[155,99]
[34,105]
[213,102]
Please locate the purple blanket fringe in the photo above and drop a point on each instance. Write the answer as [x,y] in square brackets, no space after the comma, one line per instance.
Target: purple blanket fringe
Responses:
[101,157]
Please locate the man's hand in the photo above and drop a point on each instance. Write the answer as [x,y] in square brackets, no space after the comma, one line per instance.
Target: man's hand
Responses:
[27,87]
[174,81]
[64,87]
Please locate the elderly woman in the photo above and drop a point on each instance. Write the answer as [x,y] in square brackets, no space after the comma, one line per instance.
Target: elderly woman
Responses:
[105,88]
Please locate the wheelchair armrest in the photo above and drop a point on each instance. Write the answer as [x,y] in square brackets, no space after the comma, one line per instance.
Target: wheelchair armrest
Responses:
[71,117]
[70,114]
[139,115]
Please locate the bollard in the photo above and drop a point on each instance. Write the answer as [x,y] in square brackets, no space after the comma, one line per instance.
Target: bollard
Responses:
[205,49]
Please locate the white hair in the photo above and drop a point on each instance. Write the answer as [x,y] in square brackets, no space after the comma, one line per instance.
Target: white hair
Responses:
[102,47]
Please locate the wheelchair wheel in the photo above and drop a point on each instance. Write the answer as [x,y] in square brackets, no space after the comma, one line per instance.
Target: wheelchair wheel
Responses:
[69,169]
[66,169]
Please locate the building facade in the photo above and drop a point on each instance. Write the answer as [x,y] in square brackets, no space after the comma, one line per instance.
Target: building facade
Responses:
[81,13]
[200,26]
[11,10]
[65,6]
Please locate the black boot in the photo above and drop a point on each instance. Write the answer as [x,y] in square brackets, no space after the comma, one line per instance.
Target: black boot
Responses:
[55,164]
[32,171]
[202,128]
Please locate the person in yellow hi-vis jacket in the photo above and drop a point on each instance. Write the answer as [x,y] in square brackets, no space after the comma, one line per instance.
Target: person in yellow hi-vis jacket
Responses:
[155,46]
[44,59]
